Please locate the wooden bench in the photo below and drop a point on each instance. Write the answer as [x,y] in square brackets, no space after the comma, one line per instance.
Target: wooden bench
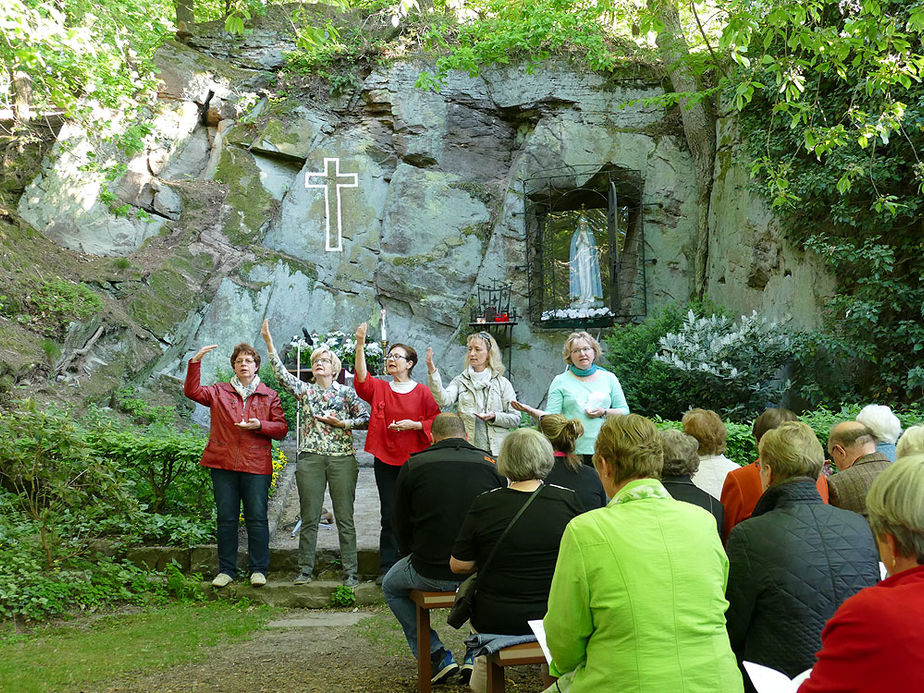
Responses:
[527,653]
[424,601]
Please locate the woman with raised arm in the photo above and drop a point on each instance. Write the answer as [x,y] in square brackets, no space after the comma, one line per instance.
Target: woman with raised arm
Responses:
[329,413]
[245,415]
[585,392]
[481,393]
[402,413]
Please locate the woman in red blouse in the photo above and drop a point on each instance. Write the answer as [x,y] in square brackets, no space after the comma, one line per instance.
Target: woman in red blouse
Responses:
[399,425]
[875,640]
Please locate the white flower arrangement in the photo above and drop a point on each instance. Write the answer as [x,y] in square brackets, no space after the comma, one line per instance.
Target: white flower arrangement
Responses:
[576,313]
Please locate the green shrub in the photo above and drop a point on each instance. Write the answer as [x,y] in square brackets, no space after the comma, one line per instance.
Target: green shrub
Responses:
[52,474]
[648,385]
[343,596]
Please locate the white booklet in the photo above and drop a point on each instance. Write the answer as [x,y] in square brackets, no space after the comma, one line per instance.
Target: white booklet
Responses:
[538,627]
[767,680]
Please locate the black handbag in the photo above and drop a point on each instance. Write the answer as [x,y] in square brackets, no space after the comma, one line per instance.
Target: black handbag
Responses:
[465,594]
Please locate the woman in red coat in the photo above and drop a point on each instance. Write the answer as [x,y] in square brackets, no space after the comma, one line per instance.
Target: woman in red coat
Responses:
[245,415]
[402,413]
[875,640]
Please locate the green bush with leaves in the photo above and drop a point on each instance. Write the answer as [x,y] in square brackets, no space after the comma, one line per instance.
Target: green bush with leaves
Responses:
[51,473]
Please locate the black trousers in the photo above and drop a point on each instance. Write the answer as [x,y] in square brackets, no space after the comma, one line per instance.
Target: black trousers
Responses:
[386,479]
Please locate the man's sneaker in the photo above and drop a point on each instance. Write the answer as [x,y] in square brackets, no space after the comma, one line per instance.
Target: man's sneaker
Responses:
[257,579]
[302,579]
[468,665]
[222,580]
[351,581]
[442,665]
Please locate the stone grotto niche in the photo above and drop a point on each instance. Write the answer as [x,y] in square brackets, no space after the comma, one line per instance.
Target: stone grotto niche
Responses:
[585,254]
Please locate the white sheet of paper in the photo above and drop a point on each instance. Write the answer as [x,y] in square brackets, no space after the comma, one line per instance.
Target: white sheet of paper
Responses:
[538,627]
[767,680]
[883,571]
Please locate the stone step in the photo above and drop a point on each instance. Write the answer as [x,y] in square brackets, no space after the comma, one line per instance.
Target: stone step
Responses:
[315,595]
[283,562]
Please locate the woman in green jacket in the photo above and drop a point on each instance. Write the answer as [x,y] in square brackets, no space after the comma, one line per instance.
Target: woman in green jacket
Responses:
[638,598]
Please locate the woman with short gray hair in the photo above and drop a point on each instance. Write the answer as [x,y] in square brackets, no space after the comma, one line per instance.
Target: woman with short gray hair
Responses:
[515,588]
[681,460]
[875,640]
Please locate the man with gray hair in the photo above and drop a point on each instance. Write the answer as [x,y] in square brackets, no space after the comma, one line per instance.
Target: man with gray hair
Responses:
[852,447]
[434,490]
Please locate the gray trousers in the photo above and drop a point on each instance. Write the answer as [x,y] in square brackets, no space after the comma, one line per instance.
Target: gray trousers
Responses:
[313,474]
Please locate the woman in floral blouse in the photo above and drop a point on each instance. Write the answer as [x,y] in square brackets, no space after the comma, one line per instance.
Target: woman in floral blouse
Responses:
[329,411]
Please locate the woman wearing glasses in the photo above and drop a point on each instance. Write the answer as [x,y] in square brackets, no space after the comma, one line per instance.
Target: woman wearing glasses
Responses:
[330,411]
[399,425]
[245,415]
[482,394]
[585,391]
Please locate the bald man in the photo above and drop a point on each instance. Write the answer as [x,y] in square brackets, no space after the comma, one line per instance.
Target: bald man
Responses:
[852,447]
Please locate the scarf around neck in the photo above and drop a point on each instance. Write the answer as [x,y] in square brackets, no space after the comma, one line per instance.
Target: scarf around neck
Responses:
[583,372]
[245,391]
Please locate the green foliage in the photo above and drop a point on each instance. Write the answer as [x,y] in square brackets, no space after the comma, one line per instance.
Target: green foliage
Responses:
[182,587]
[648,385]
[52,307]
[286,400]
[733,367]
[54,478]
[342,596]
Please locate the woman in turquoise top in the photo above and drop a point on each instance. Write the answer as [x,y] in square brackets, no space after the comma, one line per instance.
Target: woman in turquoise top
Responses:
[585,392]
[637,602]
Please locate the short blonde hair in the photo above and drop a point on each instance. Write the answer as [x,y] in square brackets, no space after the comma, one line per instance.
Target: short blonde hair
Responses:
[631,445]
[572,338]
[524,455]
[791,450]
[708,429]
[495,360]
[911,442]
[895,504]
[334,359]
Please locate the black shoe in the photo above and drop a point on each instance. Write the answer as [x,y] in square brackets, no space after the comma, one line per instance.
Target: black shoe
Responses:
[378,580]
[466,668]
[442,665]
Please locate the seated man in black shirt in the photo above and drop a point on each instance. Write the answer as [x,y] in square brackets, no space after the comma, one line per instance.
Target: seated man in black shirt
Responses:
[434,491]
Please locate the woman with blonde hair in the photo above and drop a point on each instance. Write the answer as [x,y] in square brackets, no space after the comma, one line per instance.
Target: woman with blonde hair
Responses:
[638,596]
[330,412]
[569,470]
[585,391]
[480,392]
[875,640]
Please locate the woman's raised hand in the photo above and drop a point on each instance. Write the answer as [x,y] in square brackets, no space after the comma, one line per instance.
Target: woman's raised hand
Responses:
[361,333]
[267,337]
[202,352]
[430,367]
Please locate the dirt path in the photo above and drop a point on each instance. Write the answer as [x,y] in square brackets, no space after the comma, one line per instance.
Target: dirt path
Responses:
[306,650]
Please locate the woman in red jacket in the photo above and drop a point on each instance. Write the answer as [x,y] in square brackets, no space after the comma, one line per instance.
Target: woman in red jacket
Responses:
[875,640]
[402,413]
[245,415]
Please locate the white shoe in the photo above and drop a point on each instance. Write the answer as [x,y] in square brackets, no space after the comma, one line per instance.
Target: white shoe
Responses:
[222,580]
[257,579]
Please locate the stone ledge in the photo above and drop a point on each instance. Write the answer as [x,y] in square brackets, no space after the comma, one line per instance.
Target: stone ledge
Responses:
[314,595]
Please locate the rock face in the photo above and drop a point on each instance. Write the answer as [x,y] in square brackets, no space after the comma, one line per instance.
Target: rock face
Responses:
[439,204]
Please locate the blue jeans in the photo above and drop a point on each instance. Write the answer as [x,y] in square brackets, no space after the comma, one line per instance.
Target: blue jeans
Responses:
[397,585]
[231,489]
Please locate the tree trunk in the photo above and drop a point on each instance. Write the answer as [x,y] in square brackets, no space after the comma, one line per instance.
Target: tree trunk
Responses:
[22,96]
[698,126]
[185,17]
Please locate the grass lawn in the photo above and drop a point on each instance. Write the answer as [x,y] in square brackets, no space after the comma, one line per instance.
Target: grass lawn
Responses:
[78,654]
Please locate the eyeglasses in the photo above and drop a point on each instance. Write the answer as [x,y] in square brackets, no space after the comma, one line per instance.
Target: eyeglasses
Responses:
[244,360]
[588,349]
[327,361]
[395,357]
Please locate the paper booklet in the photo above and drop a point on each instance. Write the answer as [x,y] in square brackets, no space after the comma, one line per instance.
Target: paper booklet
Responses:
[538,627]
[767,680]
